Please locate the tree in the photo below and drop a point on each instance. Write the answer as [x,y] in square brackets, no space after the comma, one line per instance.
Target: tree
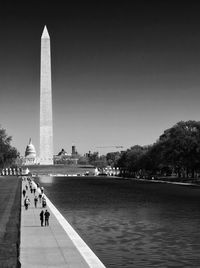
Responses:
[131,160]
[112,158]
[8,154]
[177,150]
[181,147]
[93,157]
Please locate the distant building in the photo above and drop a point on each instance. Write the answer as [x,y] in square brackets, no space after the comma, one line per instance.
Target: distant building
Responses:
[63,153]
[65,158]
[74,152]
[30,155]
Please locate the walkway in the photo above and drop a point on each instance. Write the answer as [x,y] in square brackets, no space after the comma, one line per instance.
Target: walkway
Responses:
[52,246]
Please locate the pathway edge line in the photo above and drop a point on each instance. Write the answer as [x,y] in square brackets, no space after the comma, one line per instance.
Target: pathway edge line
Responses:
[89,256]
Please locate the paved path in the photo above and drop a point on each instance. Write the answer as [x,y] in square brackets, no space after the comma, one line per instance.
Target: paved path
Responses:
[52,246]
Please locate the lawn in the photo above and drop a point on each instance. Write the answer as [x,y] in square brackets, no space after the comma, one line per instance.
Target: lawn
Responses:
[10,207]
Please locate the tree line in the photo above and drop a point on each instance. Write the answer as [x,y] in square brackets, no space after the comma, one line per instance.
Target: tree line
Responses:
[176,152]
[8,153]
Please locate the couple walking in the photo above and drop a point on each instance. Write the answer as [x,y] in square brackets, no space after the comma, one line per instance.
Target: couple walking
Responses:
[44,216]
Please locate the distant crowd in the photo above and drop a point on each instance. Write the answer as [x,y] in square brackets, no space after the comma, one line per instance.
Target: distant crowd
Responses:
[32,191]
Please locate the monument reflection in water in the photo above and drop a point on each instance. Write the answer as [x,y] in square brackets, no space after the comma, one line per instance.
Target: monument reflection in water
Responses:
[47,179]
[132,224]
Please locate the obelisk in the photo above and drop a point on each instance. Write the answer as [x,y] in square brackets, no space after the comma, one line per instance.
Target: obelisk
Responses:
[46,128]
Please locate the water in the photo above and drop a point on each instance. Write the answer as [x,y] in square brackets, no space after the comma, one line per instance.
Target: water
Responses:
[131,224]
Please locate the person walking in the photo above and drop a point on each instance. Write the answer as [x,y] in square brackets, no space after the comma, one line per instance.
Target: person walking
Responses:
[44,202]
[39,195]
[26,202]
[35,201]
[46,215]
[24,192]
[42,217]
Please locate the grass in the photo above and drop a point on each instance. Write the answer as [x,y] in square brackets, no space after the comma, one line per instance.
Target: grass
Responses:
[10,207]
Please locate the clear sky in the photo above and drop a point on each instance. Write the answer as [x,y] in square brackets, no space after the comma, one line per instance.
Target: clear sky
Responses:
[121,74]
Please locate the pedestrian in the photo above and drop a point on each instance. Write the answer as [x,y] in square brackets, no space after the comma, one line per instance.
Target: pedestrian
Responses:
[42,217]
[44,202]
[34,190]
[40,197]
[24,192]
[46,216]
[26,202]
[26,186]
[42,190]
[35,201]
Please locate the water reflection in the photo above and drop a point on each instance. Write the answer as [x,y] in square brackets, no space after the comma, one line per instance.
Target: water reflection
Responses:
[47,179]
[129,224]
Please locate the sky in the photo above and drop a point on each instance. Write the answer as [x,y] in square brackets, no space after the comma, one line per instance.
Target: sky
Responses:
[121,73]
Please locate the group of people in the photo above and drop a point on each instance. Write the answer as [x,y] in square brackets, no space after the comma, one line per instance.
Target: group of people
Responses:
[44,215]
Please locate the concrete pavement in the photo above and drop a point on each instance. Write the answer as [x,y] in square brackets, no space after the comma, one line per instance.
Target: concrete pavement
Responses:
[57,245]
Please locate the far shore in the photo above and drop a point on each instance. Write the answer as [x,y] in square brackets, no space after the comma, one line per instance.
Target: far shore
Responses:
[167,180]
[163,181]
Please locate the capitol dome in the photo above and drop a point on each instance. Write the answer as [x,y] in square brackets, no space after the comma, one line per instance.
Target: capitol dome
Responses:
[30,150]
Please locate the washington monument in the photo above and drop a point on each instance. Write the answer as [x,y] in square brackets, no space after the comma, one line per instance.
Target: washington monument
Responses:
[46,129]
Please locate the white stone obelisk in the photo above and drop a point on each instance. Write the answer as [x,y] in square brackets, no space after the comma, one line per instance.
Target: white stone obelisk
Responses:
[46,128]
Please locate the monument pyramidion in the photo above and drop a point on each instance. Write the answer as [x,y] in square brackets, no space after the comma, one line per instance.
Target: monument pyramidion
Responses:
[46,125]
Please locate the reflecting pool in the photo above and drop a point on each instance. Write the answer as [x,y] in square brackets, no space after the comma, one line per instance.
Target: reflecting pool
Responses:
[131,223]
